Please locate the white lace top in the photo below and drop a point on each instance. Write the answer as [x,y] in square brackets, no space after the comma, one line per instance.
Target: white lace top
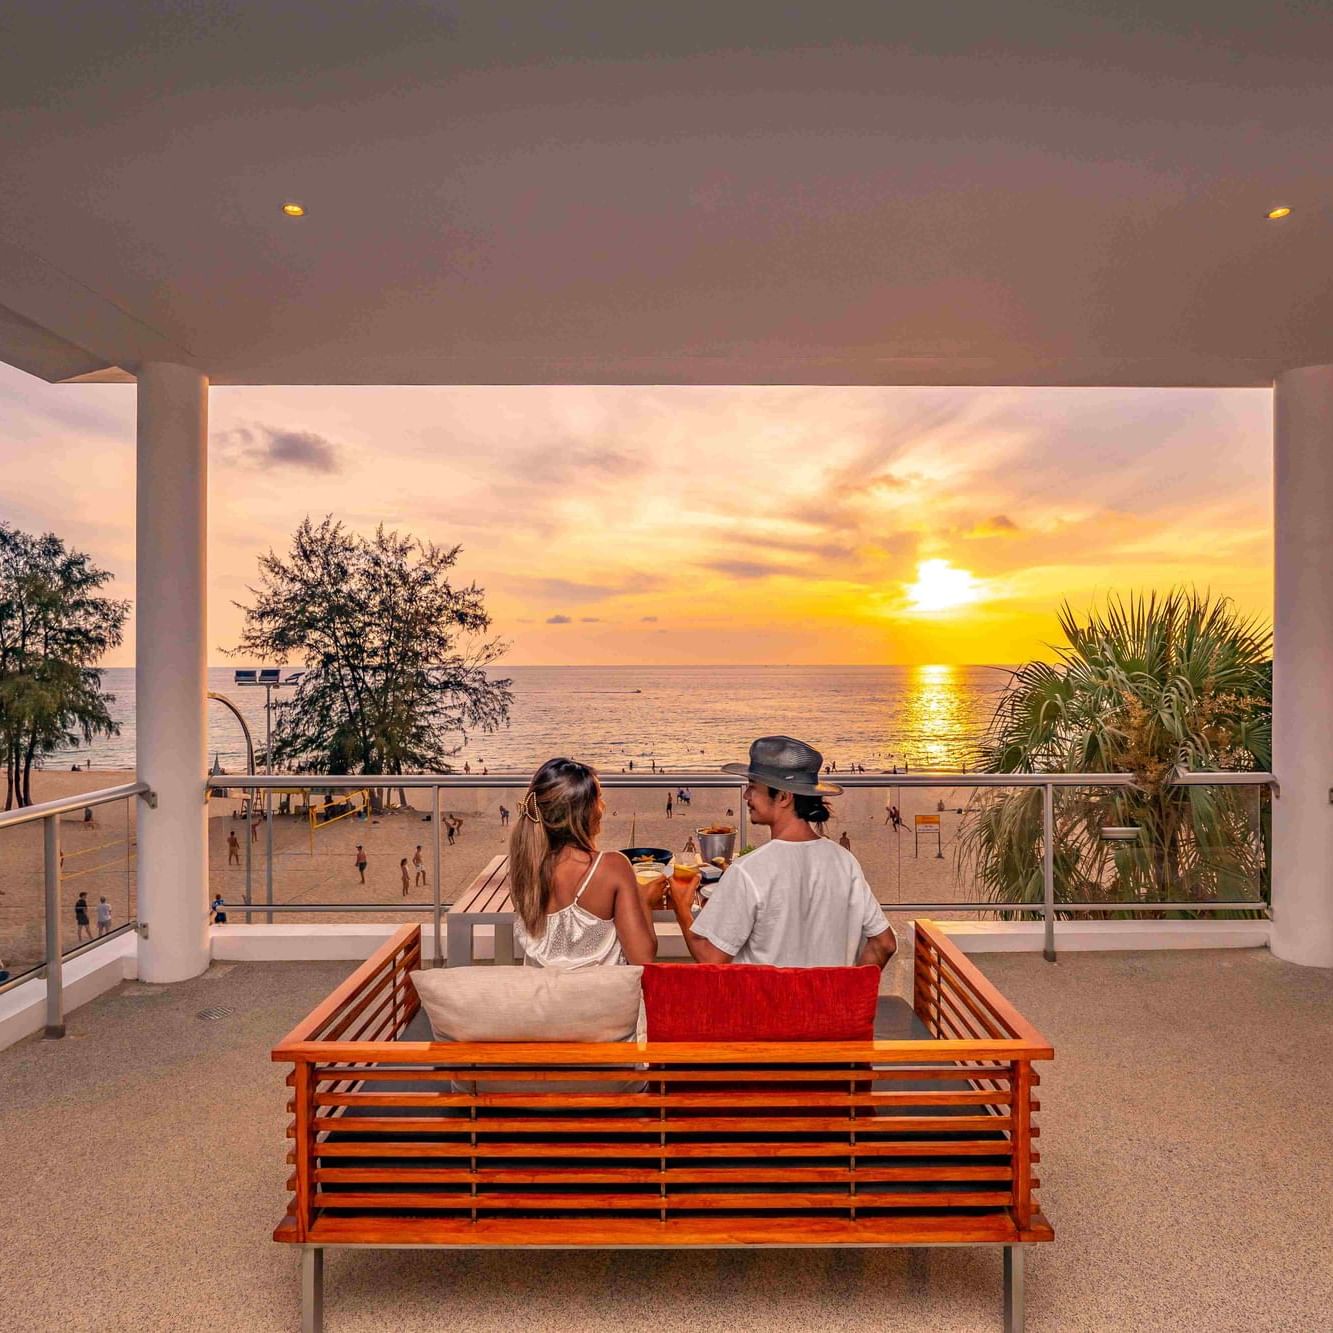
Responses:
[574,937]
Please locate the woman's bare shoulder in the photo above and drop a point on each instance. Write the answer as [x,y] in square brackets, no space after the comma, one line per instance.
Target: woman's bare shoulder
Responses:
[616,867]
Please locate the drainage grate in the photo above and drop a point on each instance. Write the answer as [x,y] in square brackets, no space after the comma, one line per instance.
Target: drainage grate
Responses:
[215,1011]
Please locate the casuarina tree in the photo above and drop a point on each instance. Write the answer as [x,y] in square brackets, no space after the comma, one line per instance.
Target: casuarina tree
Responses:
[1148,685]
[55,627]
[394,655]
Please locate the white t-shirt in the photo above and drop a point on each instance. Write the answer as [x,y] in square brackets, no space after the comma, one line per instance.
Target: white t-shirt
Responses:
[103,914]
[793,904]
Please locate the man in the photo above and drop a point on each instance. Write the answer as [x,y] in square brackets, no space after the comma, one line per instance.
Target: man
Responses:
[233,848]
[420,865]
[82,927]
[799,900]
[361,860]
[103,917]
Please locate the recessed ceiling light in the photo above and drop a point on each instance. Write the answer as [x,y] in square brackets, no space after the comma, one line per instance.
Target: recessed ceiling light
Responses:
[1274,214]
[298,210]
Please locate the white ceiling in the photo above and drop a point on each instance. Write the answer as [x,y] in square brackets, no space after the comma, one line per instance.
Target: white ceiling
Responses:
[1032,192]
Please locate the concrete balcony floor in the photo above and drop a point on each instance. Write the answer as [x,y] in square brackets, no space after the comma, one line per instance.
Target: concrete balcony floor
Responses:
[1185,1146]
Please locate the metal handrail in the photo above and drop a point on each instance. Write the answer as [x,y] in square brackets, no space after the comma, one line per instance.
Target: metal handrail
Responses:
[69,805]
[518,781]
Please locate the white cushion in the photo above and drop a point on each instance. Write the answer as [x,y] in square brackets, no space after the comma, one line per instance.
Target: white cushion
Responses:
[535,1004]
[530,1003]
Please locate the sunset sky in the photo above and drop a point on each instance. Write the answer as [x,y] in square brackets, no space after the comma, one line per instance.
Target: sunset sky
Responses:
[715,525]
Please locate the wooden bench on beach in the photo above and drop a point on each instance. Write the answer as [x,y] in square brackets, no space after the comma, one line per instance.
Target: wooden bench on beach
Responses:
[485,902]
[923,1136]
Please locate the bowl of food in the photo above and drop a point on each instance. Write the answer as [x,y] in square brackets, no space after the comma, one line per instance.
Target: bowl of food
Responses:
[649,862]
[717,843]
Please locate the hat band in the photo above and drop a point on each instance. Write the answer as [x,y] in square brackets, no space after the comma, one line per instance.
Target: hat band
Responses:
[806,776]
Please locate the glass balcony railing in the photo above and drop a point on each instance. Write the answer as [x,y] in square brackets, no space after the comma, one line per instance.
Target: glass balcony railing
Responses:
[68,884]
[958,845]
[291,848]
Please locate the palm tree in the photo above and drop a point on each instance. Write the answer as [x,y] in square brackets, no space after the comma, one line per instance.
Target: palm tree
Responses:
[1147,685]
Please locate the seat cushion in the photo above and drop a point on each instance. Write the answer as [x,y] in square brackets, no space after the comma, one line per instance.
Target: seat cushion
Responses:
[754,1002]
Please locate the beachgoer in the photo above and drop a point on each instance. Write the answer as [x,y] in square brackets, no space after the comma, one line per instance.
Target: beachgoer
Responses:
[361,862]
[504,816]
[939,805]
[420,865]
[799,900]
[407,879]
[449,829]
[103,917]
[82,927]
[467,768]
[844,840]
[689,846]
[233,848]
[668,805]
[88,820]
[631,765]
[574,906]
[217,911]
[730,813]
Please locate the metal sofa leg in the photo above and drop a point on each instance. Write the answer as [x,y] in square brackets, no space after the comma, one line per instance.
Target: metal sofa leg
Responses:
[312,1289]
[1013,1289]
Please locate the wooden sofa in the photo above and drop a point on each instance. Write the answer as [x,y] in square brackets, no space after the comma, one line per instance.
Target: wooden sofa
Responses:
[921,1137]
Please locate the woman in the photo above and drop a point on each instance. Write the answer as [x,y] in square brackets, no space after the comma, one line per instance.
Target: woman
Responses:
[576,906]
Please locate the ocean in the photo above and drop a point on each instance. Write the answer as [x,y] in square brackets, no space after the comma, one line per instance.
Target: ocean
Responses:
[678,717]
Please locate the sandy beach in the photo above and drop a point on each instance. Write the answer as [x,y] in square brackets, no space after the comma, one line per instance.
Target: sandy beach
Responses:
[319,865]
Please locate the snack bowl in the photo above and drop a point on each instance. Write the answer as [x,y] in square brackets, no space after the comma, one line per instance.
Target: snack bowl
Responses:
[657,859]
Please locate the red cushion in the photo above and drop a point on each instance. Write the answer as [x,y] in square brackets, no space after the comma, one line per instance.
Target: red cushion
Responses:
[751,1002]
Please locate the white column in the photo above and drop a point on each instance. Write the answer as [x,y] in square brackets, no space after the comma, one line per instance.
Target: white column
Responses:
[169,656]
[1303,666]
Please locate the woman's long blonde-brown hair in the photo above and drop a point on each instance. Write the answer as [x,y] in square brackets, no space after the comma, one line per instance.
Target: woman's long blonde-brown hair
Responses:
[562,808]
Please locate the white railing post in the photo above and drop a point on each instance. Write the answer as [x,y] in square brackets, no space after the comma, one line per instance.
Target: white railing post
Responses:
[438,859]
[55,975]
[1048,870]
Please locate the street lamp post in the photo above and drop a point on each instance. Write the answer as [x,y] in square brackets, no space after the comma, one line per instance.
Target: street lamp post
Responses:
[270,678]
[250,768]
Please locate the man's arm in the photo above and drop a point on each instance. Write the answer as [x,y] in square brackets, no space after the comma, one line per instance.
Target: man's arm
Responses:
[878,949]
[701,950]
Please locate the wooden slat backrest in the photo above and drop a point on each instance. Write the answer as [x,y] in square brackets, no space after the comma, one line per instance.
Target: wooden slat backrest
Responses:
[955,1000]
[868,1132]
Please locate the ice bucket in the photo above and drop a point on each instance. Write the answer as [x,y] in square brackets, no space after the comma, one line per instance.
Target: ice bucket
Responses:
[713,845]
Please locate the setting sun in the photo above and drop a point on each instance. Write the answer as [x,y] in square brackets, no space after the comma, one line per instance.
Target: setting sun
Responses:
[939,587]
